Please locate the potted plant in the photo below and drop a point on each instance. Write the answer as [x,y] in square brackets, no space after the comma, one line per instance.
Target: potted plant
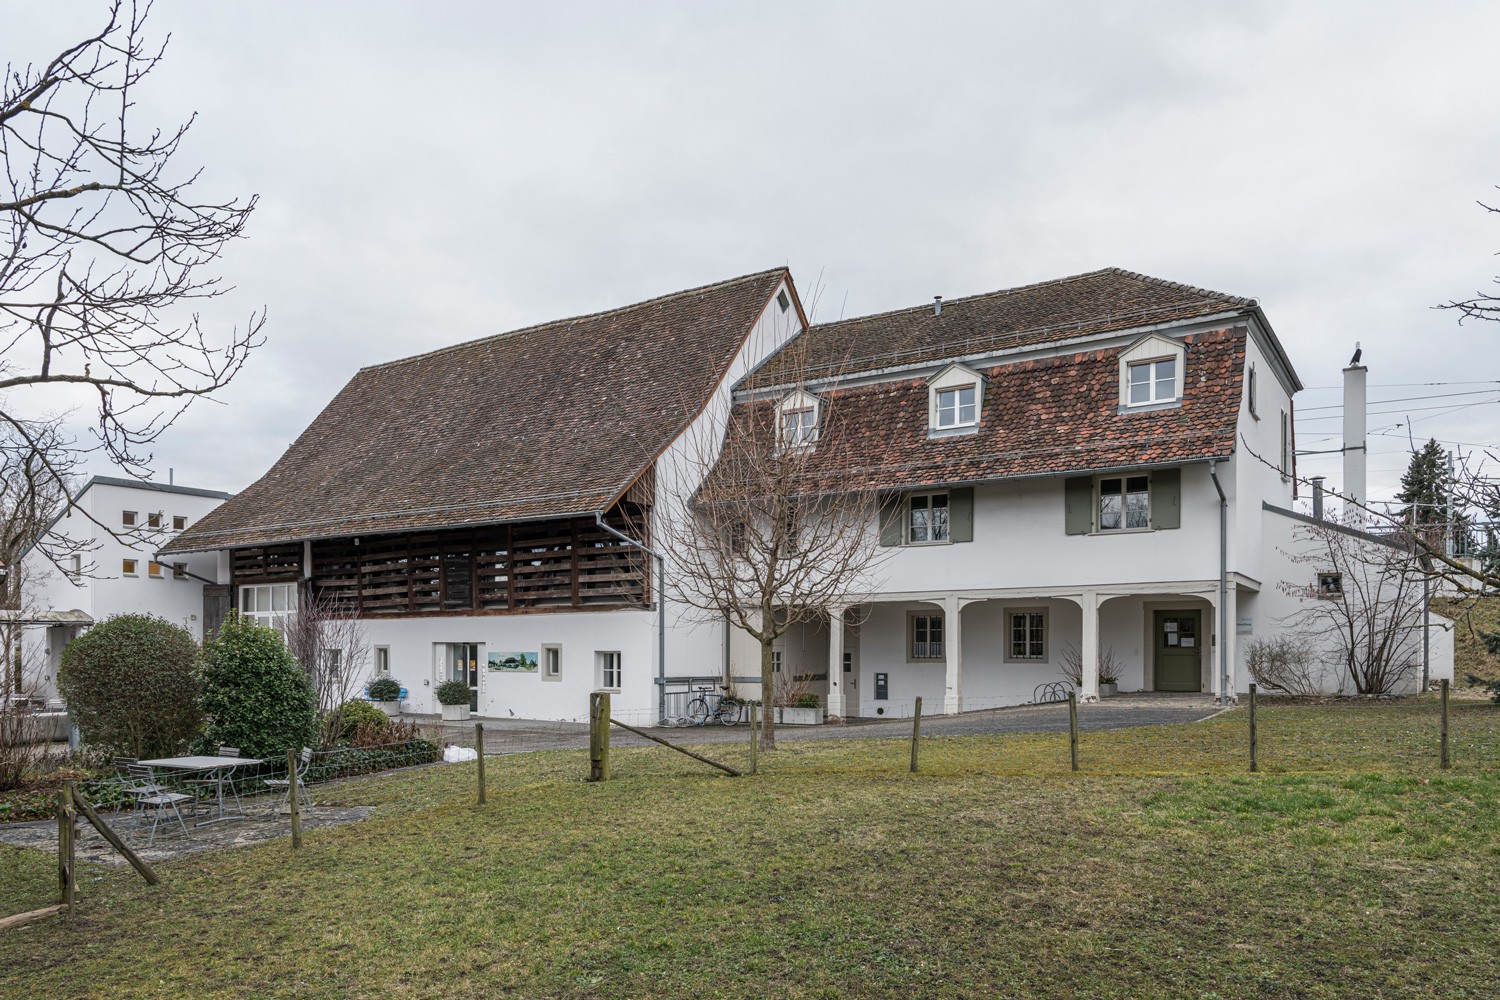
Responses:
[1109,674]
[803,711]
[454,697]
[387,693]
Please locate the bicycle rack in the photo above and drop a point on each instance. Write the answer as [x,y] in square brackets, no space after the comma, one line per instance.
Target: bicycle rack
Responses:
[1050,693]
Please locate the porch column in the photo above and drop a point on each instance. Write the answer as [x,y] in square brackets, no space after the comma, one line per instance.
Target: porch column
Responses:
[1090,646]
[836,662]
[953,690]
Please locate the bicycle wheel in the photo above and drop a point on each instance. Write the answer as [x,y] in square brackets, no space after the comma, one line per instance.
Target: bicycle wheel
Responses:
[729,712]
[697,711]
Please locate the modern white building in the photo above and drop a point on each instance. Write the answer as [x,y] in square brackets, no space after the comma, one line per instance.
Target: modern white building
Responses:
[1099,466]
[113,533]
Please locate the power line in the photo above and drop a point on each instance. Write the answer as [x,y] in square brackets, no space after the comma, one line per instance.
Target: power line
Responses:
[1403,399]
[1404,385]
[1409,409]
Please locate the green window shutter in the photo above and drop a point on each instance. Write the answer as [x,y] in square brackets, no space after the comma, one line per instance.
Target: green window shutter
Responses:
[961,514]
[1078,505]
[1166,498]
[892,510]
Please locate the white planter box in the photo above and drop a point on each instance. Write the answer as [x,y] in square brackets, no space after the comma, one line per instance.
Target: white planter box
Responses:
[455,713]
[1108,690]
[799,716]
[391,708]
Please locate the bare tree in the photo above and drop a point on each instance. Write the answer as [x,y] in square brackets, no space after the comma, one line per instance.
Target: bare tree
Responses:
[104,245]
[36,476]
[1283,663]
[1367,603]
[1481,306]
[330,642]
[767,528]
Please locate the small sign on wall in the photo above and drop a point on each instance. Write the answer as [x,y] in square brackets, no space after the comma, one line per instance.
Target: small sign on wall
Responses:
[513,662]
[1244,626]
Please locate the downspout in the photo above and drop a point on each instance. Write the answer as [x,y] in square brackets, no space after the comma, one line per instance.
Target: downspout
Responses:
[1213,473]
[661,612]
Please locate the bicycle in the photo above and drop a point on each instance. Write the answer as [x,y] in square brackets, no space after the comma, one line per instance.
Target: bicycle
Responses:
[713,707]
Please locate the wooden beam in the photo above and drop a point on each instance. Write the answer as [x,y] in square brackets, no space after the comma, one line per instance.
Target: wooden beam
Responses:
[114,839]
[31,916]
[682,750]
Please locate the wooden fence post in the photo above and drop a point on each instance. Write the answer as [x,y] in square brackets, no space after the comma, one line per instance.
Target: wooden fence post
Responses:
[1254,740]
[1445,760]
[479,746]
[66,873]
[599,736]
[754,736]
[294,796]
[916,732]
[1073,728]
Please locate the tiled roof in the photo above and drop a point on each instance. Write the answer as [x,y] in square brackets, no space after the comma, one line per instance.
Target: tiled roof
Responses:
[1098,302]
[1042,417]
[549,421]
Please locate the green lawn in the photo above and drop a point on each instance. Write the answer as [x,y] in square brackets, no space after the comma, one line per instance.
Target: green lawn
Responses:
[1356,868]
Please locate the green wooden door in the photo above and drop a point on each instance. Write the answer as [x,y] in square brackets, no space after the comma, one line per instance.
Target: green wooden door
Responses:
[1179,641]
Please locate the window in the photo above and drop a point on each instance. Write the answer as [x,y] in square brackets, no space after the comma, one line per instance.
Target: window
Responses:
[1152,382]
[1330,585]
[775,661]
[609,670]
[551,663]
[127,567]
[958,407]
[799,428]
[848,663]
[926,637]
[269,604]
[1026,635]
[76,568]
[153,569]
[179,571]
[1285,464]
[927,518]
[783,300]
[127,518]
[793,533]
[1125,503]
[1250,392]
[153,520]
[333,663]
[382,661]
[179,522]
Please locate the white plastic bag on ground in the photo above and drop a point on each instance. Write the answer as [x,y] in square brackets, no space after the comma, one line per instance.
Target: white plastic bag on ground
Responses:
[459,755]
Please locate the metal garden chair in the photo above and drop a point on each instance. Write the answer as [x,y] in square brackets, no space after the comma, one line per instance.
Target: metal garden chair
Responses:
[299,780]
[155,797]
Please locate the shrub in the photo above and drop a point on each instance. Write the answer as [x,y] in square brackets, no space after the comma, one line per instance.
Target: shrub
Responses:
[257,697]
[384,689]
[453,693]
[806,701]
[354,715]
[130,685]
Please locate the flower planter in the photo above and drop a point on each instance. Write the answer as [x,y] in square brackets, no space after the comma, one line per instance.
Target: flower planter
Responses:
[799,716]
[455,713]
[391,708]
[1108,689]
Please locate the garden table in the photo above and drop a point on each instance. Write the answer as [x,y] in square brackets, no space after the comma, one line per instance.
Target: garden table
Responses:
[216,767]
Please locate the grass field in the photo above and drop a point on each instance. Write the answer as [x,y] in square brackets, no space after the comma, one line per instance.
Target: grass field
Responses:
[1353,868]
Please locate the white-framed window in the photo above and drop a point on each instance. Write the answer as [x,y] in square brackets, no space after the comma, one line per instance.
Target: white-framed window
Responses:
[75,567]
[608,669]
[777,659]
[128,518]
[268,603]
[799,428]
[1250,391]
[1026,634]
[926,633]
[1330,585]
[1124,503]
[179,571]
[1153,381]
[128,567]
[153,520]
[848,662]
[927,518]
[958,407]
[382,661]
[153,569]
[179,522]
[551,663]
[333,663]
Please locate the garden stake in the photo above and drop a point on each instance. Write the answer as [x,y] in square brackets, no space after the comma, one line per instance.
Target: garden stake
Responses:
[1254,746]
[754,736]
[479,746]
[294,794]
[1073,727]
[65,853]
[1446,762]
[916,733]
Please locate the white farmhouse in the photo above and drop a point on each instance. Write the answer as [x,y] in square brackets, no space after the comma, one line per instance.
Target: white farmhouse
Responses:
[115,530]
[1101,464]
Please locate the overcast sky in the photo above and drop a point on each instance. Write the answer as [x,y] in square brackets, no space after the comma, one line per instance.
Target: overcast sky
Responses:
[434,172]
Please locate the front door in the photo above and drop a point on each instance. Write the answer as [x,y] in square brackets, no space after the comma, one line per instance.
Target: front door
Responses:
[1179,651]
[463,665]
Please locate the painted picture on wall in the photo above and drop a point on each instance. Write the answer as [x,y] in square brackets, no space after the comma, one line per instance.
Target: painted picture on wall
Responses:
[514,662]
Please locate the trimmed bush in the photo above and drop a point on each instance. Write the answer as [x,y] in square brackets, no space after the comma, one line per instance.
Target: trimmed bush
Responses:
[258,697]
[131,687]
[354,714]
[453,693]
[384,689]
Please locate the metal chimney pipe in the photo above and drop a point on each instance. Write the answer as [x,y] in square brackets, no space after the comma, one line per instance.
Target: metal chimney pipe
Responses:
[1317,485]
[937,305]
[1354,443]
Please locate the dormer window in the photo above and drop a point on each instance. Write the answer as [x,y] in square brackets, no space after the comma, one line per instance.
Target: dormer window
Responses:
[1153,381]
[955,399]
[797,421]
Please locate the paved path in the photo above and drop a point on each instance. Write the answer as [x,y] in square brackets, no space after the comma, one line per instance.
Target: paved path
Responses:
[1123,711]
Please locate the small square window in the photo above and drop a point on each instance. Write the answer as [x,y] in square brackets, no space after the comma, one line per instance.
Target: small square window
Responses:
[783,301]
[1330,585]
[382,661]
[958,407]
[153,569]
[76,565]
[799,428]
[776,661]
[927,519]
[178,522]
[153,520]
[1125,503]
[179,571]
[127,518]
[551,663]
[926,636]
[127,567]
[1153,381]
[609,670]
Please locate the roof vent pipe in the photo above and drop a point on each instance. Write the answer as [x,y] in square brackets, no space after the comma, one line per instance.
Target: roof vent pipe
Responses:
[1317,485]
[937,305]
